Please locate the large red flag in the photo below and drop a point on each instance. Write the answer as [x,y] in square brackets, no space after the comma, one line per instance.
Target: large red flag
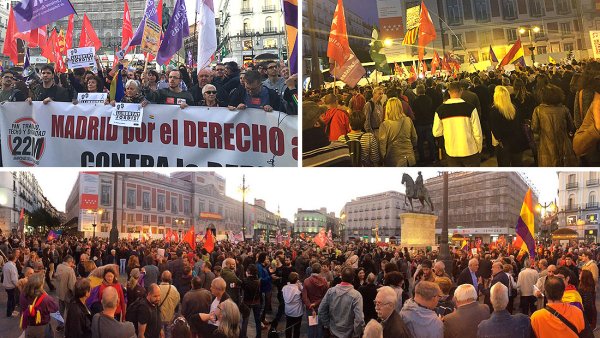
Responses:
[209,241]
[127,31]
[88,37]
[48,48]
[62,45]
[34,38]
[69,36]
[338,48]
[426,30]
[435,62]
[190,238]
[10,43]
[413,74]
[59,64]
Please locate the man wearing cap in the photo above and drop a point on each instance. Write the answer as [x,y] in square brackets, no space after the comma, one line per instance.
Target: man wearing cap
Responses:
[318,151]
[458,122]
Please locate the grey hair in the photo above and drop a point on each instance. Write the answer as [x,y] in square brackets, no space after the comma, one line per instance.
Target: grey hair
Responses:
[373,330]
[465,293]
[230,321]
[499,296]
[207,87]
[389,294]
[427,290]
[473,260]
[110,298]
[132,82]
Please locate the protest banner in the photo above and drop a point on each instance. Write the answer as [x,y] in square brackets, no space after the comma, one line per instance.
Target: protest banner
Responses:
[92,98]
[151,37]
[390,19]
[127,115]
[595,39]
[81,57]
[66,135]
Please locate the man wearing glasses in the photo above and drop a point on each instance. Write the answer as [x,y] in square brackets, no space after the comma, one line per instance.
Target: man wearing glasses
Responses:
[274,81]
[9,92]
[385,305]
[173,94]
[418,313]
[254,95]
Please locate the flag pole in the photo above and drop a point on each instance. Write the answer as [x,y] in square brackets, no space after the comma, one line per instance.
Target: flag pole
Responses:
[334,79]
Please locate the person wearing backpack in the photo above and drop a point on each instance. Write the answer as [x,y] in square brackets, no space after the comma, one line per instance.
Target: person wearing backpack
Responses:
[363,146]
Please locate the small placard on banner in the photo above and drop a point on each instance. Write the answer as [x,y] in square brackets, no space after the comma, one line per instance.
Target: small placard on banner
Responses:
[151,37]
[127,115]
[93,98]
[81,57]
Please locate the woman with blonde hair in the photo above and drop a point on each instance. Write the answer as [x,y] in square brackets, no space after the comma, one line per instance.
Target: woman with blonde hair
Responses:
[507,131]
[228,316]
[397,136]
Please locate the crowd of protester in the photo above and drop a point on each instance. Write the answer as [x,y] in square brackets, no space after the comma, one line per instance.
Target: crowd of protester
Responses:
[266,85]
[159,289]
[533,116]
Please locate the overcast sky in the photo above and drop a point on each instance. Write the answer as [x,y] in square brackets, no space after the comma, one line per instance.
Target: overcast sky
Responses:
[292,188]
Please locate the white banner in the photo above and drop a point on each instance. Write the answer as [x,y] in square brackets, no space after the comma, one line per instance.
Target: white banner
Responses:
[81,57]
[94,98]
[127,115]
[89,187]
[65,135]
[389,8]
[595,38]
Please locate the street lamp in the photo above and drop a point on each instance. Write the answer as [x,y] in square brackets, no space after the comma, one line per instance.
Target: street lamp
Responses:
[98,211]
[244,190]
[535,29]
[388,42]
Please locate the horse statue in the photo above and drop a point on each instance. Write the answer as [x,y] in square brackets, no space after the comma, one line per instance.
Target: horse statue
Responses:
[416,191]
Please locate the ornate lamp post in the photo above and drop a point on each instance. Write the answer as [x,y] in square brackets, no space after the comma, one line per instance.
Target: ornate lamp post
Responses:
[243,189]
[535,29]
[95,212]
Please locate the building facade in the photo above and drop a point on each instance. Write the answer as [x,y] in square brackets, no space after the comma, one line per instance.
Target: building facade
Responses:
[20,190]
[151,203]
[247,29]
[364,216]
[310,222]
[481,205]
[578,207]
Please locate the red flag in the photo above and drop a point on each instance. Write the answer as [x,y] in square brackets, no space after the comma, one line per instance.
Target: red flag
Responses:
[34,38]
[10,43]
[21,227]
[190,238]
[176,234]
[88,37]
[48,48]
[426,30]
[62,46]
[435,62]
[320,239]
[209,241]
[413,74]
[59,64]
[69,36]
[127,31]
[338,47]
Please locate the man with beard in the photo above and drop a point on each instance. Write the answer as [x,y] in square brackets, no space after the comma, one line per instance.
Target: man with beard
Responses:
[498,276]
[173,94]
[148,323]
[49,91]
[8,92]
[253,94]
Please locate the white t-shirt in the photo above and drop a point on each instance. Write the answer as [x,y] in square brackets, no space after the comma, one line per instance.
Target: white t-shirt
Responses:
[213,309]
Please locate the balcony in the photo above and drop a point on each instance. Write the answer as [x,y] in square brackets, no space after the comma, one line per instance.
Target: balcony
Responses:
[269,9]
[592,182]
[572,185]
[246,10]
[270,30]
[591,205]
[247,32]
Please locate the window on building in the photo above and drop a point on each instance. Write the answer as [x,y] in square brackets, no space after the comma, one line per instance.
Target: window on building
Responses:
[174,208]
[454,13]
[186,207]
[592,197]
[568,46]
[246,26]
[161,220]
[571,202]
[105,188]
[593,175]
[563,7]
[146,219]
[509,10]
[270,43]
[160,202]
[541,49]
[105,218]
[211,207]
[146,200]
[130,218]
[457,41]
[482,11]
[512,34]
[565,28]
[131,198]
[245,5]
[269,24]
[485,38]
[536,8]
[572,178]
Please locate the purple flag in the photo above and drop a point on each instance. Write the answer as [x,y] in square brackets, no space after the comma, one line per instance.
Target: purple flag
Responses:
[152,13]
[177,30]
[31,14]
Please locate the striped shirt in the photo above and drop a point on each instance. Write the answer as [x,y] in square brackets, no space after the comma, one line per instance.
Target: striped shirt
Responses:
[369,147]
[336,154]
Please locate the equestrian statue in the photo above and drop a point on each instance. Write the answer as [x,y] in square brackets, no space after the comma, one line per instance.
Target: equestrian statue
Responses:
[416,190]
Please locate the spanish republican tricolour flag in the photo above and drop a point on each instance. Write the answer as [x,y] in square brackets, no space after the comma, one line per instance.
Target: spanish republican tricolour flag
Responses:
[515,55]
[525,226]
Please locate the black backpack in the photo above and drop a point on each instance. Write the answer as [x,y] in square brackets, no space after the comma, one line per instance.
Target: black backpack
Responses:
[355,150]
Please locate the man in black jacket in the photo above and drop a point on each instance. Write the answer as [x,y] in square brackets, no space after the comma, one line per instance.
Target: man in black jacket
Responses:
[254,95]
[498,276]
[385,305]
[78,321]
[48,91]
[470,276]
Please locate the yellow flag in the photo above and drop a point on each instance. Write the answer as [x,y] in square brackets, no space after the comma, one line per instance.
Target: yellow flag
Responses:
[551,60]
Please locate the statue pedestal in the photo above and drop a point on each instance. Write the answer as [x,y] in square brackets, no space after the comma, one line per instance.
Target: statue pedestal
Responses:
[417,230]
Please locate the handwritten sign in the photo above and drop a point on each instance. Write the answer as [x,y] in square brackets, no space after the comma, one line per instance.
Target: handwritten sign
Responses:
[127,115]
[81,57]
[151,37]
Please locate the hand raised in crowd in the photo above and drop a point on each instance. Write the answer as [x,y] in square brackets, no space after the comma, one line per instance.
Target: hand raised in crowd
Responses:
[267,108]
